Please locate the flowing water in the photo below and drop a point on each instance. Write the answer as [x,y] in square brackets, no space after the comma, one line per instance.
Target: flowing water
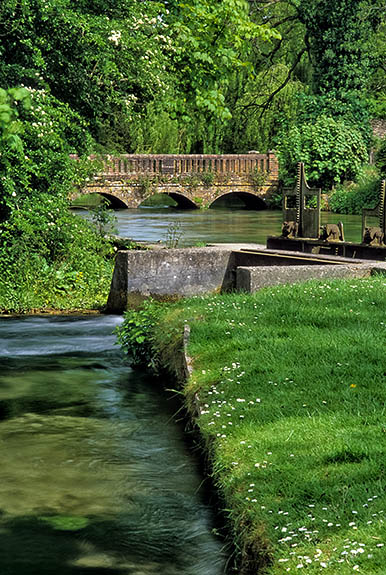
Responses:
[95,477]
[221,225]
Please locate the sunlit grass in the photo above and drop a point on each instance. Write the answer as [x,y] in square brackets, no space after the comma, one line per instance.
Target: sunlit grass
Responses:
[290,387]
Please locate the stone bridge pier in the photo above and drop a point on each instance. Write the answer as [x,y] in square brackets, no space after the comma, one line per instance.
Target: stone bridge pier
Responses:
[193,181]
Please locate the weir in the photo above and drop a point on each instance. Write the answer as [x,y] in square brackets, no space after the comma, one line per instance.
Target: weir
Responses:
[320,253]
[175,273]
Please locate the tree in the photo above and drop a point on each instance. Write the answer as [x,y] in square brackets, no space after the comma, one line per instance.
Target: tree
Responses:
[326,46]
[331,150]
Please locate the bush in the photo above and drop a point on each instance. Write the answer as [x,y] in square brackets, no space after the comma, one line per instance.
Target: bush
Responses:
[351,198]
[69,267]
[332,151]
[134,334]
[48,256]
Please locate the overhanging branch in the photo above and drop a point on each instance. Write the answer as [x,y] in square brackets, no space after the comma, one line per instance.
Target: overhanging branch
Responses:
[271,97]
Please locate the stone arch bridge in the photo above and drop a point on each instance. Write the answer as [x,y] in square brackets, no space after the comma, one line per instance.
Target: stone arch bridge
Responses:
[193,181]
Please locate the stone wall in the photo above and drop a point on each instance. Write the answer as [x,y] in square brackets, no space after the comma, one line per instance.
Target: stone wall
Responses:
[379,128]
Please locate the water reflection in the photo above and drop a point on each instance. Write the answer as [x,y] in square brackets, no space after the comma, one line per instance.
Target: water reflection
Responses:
[95,477]
[220,225]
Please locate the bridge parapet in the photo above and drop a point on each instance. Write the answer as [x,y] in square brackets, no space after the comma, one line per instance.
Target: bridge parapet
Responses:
[180,164]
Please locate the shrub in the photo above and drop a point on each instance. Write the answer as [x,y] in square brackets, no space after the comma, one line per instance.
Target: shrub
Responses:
[49,257]
[351,198]
[332,151]
[133,334]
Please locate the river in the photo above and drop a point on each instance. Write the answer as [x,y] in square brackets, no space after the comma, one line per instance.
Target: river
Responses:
[222,225]
[95,476]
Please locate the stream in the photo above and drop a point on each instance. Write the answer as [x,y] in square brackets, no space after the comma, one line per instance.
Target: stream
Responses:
[95,475]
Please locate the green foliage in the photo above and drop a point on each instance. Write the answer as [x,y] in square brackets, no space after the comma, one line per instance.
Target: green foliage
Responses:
[10,102]
[87,201]
[380,158]
[134,334]
[173,235]
[331,150]
[252,127]
[212,40]
[147,184]
[49,258]
[332,129]
[140,73]
[351,198]
[338,33]
[63,266]
[196,76]
[156,132]
[159,200]
[208,178]
[258,178]
[104,219]
[100,64]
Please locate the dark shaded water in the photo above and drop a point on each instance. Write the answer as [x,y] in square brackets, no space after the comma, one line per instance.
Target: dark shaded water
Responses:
[221,225]
[95,477]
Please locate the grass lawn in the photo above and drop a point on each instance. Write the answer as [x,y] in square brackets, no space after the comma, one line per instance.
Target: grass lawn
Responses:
[290,388]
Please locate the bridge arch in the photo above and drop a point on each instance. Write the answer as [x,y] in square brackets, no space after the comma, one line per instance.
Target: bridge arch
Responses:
[176,200]
[240,199]
[114,202]
[182,201]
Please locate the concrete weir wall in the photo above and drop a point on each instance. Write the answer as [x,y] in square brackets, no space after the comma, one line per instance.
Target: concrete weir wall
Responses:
[169,273]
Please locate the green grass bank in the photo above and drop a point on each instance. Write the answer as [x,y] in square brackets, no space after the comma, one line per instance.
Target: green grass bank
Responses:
[288,391]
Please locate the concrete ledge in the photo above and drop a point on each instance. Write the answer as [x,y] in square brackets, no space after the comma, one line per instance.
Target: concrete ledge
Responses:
[251,279]
[165,274]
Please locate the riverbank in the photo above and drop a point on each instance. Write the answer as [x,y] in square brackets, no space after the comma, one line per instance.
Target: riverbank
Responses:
[286,389]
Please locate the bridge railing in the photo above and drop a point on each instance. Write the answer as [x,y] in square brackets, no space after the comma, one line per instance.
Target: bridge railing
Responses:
[175,165]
